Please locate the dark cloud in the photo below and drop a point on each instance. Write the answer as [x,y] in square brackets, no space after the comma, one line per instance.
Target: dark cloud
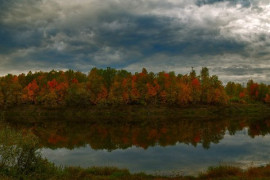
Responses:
[244,3]
[169,35]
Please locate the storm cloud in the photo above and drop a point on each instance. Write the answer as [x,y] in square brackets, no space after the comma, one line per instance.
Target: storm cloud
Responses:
[231,37]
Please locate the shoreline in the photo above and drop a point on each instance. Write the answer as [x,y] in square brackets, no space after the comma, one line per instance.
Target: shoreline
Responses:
[108,173]
[108,112]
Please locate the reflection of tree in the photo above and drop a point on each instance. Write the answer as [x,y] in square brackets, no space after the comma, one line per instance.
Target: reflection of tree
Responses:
[257,128]
[163,131]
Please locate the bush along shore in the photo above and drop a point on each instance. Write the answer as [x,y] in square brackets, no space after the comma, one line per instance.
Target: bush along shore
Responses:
[56,89]
[20,159]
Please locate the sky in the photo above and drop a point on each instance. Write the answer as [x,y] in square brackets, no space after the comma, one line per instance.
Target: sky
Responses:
[230,37]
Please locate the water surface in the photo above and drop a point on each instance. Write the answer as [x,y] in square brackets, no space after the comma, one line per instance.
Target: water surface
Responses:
[164,145]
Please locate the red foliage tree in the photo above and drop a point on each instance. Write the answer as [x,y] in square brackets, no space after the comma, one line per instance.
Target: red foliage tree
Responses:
[52,84]
[242,94]
[195,83]
[31,91]
[74,81]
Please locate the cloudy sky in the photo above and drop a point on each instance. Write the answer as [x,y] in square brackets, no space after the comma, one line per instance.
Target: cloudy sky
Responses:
[230,37]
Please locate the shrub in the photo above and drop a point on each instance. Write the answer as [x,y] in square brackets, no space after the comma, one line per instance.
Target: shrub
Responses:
[20,156]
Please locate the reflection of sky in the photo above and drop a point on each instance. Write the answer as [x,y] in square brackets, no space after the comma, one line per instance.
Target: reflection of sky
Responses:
[238,149]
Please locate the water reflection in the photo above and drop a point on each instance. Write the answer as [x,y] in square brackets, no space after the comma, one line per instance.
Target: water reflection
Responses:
[110,136]
[153,145]
[238,149]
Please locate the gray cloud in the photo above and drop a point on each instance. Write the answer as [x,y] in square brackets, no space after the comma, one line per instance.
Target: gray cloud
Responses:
[157,34]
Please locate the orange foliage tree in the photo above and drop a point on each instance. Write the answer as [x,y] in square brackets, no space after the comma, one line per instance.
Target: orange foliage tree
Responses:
[267,98]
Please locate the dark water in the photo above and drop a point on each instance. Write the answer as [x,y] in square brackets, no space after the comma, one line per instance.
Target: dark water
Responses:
[164,145]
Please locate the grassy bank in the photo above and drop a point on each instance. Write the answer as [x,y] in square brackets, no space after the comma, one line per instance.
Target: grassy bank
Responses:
[132,112]
[50,171]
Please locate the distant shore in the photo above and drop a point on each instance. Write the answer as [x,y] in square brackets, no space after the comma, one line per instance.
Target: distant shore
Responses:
[107,110]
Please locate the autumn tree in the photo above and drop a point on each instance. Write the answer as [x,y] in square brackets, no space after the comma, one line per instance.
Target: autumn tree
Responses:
[184,91]
[167,92]
[96,87]
[54,93]
[77,94]
[11,90]
[253,90]
[216,92]
[30,92]
[15,91]
[152,92]
[213,91]
[230,89]
[171,88]
[205,83]
[262,91]
[108,76]
[267,98]
[116,91]
[127,89]
[139,86]
[2,99]
[195,87]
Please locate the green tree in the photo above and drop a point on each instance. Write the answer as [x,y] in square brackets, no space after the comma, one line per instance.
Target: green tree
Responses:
[77,95]
[96,87]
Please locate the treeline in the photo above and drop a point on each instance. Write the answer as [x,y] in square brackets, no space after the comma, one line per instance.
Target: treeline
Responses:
[116,87]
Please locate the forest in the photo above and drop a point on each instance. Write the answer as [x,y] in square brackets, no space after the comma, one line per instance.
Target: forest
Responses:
[119,87]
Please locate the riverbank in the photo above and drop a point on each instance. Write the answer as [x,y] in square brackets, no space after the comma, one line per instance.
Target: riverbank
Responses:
[131,113]
[110,173]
